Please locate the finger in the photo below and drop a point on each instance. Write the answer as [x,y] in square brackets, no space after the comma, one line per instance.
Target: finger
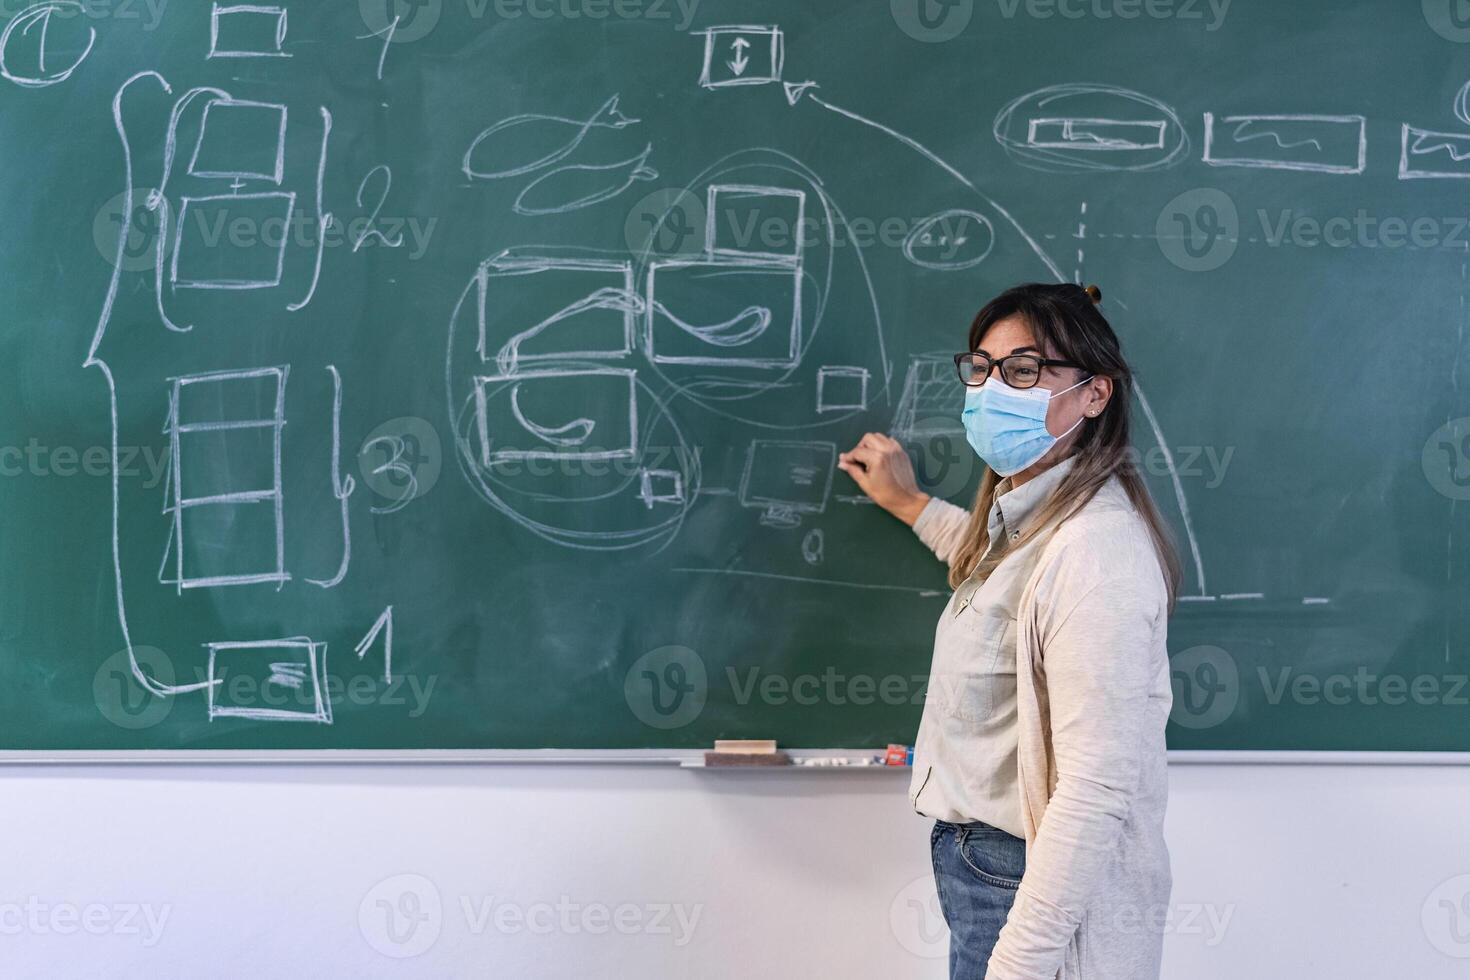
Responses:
[864,456]
[873,440]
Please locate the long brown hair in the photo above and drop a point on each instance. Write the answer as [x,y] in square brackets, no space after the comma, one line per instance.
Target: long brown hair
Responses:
[1066,323]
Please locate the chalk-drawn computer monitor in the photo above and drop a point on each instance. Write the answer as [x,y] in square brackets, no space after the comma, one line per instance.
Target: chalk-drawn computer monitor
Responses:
[787,479]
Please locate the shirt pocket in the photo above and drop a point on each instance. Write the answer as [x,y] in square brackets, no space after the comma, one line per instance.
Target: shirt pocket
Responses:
[973,663]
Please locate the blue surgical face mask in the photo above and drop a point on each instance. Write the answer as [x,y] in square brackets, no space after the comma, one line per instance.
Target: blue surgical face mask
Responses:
[1007,426]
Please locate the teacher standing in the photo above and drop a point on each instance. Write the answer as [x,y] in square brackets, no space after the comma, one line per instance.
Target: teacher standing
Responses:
[1041,750]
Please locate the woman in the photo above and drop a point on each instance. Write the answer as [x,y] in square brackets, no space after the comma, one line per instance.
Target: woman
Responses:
[1041,750]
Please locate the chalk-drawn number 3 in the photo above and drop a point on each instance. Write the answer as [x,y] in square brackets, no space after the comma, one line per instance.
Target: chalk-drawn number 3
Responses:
[368,229]
[396,469]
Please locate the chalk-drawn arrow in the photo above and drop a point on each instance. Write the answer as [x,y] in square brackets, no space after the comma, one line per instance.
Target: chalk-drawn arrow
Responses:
[740,62]
[383,626]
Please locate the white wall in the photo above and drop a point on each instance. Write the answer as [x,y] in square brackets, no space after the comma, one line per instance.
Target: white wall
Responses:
[263,871]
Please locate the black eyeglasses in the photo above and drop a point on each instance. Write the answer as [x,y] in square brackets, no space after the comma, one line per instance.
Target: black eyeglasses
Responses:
[1016,370]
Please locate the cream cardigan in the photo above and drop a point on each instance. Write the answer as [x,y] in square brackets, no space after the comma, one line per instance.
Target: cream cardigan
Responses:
[1092,678]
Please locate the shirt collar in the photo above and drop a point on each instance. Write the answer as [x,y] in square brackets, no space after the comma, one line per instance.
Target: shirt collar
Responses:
[1014,507]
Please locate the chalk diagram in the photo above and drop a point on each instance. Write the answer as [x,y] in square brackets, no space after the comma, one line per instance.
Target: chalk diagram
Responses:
[227,487]
[579,379]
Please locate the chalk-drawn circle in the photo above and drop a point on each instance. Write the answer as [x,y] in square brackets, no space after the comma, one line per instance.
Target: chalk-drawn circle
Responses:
[1198,229]
[1446,459]
[400,21]
[1087,126]
[34,22]
[1445,19]
[120,697]
[932,21]
[127,233]
[917,921]
[950,240]
[401,916]
[670,222]
[400,461]
[1206,683]
[667,687]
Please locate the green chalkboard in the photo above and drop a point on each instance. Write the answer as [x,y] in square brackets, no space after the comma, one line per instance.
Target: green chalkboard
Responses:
[468,375]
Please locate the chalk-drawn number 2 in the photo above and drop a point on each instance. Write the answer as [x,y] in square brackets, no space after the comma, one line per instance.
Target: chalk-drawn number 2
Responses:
[368,228]
[397,468]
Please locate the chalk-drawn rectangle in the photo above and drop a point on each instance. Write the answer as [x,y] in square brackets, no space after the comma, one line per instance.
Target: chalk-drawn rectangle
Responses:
[754,221]
[1426,153]
[247,31]
[742,55]
[232,241]
[842,388]
[227,463]
[539,308]
[240,139]
[250,395]
[563,414]
[269,680]
[792,476]
[1318,144]
[730,313]
[226,544]
[1063,133]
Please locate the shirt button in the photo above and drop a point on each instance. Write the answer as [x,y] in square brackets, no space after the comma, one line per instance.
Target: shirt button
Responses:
[1015,535]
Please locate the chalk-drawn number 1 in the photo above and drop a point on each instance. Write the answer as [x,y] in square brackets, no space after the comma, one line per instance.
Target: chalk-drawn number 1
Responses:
[397,469]
[368,229]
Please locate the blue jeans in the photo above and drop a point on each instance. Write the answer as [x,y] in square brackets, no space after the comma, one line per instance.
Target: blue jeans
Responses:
[977,869]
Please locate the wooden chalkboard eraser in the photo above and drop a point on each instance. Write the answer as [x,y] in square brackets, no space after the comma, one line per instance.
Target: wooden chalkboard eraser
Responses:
[746,746]
[737,759]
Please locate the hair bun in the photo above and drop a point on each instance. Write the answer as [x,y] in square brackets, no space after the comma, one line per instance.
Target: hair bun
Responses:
[1093,293]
